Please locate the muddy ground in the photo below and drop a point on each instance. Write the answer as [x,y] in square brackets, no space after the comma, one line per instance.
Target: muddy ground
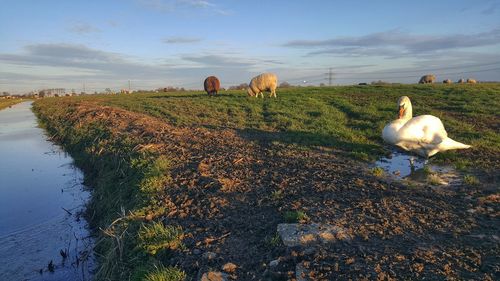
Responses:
[230,189]
[238,187]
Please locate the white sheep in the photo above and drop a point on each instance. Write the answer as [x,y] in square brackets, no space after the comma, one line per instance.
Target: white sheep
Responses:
[429,78]
[263,82]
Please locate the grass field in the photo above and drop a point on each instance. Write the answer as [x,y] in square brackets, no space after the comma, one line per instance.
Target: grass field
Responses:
[184,183]
[8,102]
[348,118]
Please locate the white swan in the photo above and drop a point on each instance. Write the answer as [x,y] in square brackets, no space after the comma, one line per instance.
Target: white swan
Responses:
[424,135]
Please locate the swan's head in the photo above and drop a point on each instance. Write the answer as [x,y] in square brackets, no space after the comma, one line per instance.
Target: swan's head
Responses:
[404,105]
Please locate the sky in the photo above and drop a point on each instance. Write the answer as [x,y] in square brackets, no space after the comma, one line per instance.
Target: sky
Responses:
[159,43]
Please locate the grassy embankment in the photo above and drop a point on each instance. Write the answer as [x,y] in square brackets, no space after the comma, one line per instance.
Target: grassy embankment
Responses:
[129,181]
[347,118]
[9,102]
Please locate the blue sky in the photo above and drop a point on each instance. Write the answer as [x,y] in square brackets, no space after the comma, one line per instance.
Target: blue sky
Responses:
[157,43]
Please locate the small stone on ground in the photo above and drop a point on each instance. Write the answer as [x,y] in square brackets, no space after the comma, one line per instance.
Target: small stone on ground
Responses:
[294,234]
[214,276]
[229,267]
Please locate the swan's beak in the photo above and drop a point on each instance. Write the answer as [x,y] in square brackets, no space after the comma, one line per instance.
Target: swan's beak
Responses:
[401,112]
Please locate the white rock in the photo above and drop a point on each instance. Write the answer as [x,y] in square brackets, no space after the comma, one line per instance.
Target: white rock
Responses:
[294,234]
[274,263]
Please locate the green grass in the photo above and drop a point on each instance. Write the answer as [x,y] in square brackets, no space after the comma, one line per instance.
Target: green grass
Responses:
[378,172]
[157,237]
[161,273]
[427,170]
[4,103]
[471,180]
[348,118]
[434,179]
[274,241]
[277,195]
[295,216]
[127,184]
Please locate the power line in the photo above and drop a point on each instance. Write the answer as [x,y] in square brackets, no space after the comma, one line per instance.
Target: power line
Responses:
[422,70]
[411,76]
[320,77]
[374,75]
[330,76]
[392,72]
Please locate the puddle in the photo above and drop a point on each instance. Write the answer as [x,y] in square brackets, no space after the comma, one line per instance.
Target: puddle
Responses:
[401,165]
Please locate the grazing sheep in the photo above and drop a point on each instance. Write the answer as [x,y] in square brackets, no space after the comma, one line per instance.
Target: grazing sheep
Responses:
[447,81]
[263,82]
[471,81]
[429,78]
[461,81]
[211,85]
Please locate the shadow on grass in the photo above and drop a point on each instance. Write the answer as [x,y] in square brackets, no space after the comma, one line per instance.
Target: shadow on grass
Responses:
[310,140]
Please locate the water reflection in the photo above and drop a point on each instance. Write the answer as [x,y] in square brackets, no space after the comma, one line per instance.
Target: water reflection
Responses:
[402,165]
[41,202]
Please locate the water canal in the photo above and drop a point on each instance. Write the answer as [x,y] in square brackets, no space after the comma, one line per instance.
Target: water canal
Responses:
[41,203]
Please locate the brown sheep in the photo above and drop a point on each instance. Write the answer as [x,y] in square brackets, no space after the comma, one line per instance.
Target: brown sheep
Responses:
[429,78]
[447,81]
[211,85]
[471,81]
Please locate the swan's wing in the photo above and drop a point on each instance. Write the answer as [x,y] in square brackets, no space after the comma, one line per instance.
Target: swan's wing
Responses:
[423,129]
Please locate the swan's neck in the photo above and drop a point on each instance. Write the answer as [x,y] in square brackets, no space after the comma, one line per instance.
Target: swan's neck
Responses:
[407,113]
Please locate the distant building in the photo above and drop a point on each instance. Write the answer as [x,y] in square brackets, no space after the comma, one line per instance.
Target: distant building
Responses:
[52,92]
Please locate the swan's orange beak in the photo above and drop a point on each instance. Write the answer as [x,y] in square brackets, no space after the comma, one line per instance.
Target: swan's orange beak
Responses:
[401,112]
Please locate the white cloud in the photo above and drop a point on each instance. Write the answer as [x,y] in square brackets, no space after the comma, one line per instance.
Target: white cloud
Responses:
[395,43]
[67,65]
